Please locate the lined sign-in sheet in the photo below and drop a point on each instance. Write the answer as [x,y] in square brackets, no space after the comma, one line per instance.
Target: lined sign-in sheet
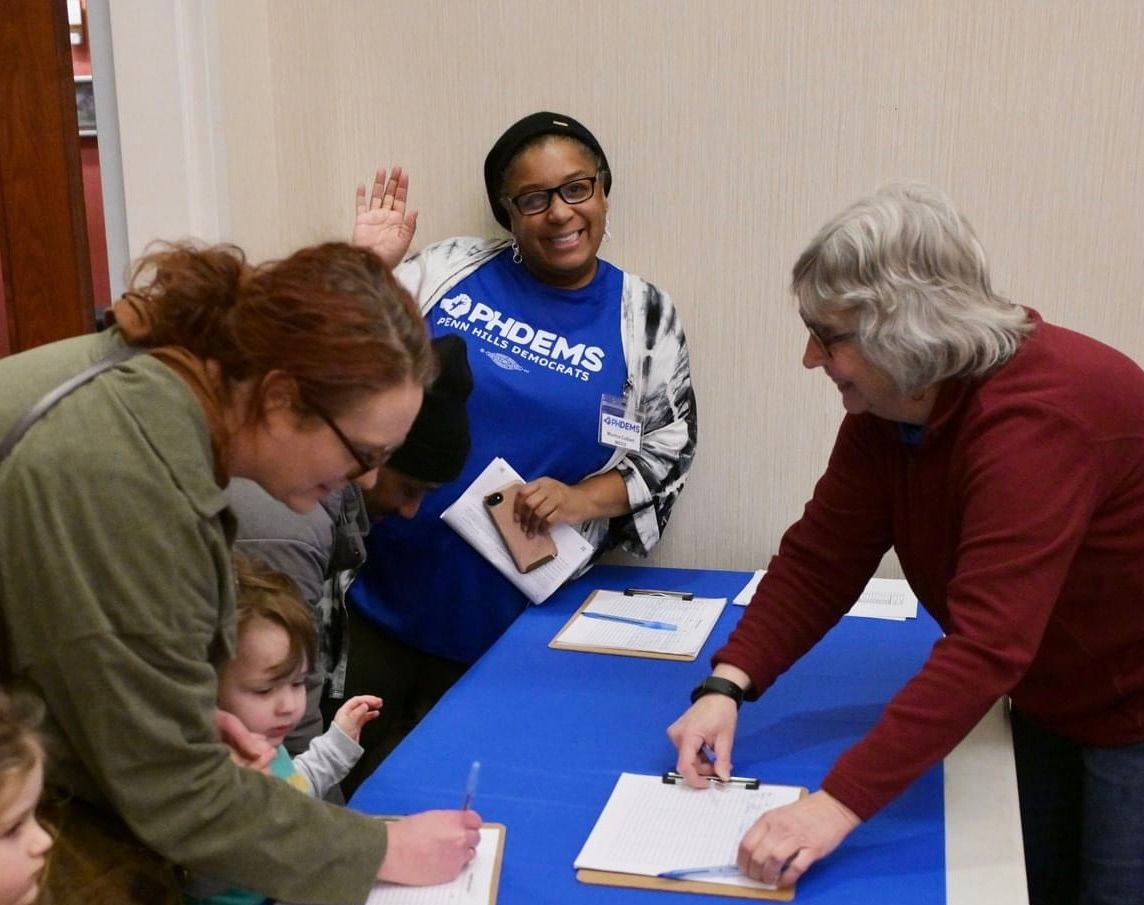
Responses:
[476,884]
[613,621]
[649,827]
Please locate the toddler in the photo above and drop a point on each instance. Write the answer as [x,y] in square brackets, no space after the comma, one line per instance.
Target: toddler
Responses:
[24,843]
[264,686]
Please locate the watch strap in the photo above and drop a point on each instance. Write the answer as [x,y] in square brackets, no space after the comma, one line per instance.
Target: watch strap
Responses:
[718,685]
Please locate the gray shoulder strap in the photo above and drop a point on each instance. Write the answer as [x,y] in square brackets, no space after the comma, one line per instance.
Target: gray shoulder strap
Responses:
[49,399]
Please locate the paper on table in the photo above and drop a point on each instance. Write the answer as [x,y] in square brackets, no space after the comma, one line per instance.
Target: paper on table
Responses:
[649,826]
[467,516]
[475,885]
[882,598]
[693,620]
[745,595]
[886,598]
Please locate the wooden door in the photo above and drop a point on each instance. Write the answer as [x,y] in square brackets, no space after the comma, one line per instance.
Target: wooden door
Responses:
[45,272]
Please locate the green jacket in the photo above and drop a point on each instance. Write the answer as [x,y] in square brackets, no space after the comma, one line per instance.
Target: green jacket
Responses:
[118,599]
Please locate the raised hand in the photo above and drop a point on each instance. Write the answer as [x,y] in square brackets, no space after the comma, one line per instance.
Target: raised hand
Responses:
[382,224]
[356,712]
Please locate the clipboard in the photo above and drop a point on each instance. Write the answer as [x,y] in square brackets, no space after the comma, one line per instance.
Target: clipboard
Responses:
[456,891]
[634,881]
[645,881]
[561,641]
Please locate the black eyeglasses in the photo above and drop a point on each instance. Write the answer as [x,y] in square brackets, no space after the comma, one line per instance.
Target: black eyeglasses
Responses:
[537,201]
[367,462]
[826,340]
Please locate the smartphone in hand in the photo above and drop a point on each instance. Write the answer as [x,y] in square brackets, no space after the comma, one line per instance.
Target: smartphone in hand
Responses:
[527,552]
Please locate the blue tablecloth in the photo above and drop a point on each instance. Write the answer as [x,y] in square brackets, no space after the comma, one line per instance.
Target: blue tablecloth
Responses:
[553,730]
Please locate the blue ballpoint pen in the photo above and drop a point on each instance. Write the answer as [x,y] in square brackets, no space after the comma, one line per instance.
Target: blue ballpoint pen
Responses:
[717,870]
[471,785]
[631,620]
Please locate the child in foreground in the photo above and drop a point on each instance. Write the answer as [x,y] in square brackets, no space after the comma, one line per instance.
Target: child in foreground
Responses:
[264,686]
[24,843]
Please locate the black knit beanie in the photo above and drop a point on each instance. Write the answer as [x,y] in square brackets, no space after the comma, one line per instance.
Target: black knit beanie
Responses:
[522,132]
[438,442]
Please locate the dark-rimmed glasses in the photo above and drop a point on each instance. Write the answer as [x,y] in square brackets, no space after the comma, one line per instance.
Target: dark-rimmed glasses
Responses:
[826,340]
[367,462]
[537,201]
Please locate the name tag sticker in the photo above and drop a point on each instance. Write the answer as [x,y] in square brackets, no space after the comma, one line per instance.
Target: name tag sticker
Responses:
[618,429]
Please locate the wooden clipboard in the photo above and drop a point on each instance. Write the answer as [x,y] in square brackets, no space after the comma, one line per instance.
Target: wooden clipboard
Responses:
[502,831]
[607,878]
[557,644]
[640,881]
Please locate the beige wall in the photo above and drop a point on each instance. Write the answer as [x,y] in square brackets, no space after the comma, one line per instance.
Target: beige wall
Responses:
[734,130]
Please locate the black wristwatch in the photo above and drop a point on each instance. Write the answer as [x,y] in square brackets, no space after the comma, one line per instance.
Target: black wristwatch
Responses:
[716,685]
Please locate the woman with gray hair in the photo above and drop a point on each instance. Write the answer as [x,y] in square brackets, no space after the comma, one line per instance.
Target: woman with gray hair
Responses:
[1002,458]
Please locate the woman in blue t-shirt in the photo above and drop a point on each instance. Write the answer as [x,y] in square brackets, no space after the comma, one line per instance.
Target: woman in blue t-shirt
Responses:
[551,330]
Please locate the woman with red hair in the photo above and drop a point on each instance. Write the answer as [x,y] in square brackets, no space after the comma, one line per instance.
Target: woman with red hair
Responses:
[116,589]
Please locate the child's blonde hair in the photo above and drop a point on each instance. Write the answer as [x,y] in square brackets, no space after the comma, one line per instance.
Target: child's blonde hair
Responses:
[21,747]
[266,594]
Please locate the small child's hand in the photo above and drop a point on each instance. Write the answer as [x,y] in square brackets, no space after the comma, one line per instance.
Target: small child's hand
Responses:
[356,712]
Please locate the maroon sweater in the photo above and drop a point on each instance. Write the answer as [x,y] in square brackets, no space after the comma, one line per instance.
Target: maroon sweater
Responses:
[1019,523]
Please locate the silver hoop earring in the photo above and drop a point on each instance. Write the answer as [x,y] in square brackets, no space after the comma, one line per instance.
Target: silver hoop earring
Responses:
[516,258]
[607,231]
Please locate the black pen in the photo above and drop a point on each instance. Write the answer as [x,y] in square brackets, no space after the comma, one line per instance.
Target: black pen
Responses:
[651,592]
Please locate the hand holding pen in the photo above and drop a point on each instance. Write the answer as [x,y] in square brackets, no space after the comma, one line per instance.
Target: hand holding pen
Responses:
[434,846]
[704,736]
[429,848]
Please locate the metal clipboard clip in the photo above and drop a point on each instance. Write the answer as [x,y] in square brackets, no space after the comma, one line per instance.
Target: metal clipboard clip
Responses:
[671,778]
[652,592]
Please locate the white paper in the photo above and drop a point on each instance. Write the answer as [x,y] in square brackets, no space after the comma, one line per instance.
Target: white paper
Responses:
[649,826]
[745,595]
[886,598]
[882,598]
[469,518]
[693,620]
[473,886]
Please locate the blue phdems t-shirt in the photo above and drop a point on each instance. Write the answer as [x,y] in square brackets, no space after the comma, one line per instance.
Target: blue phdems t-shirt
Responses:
[541,358]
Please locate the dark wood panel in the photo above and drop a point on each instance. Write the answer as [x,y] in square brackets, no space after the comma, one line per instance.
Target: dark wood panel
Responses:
[43,241]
